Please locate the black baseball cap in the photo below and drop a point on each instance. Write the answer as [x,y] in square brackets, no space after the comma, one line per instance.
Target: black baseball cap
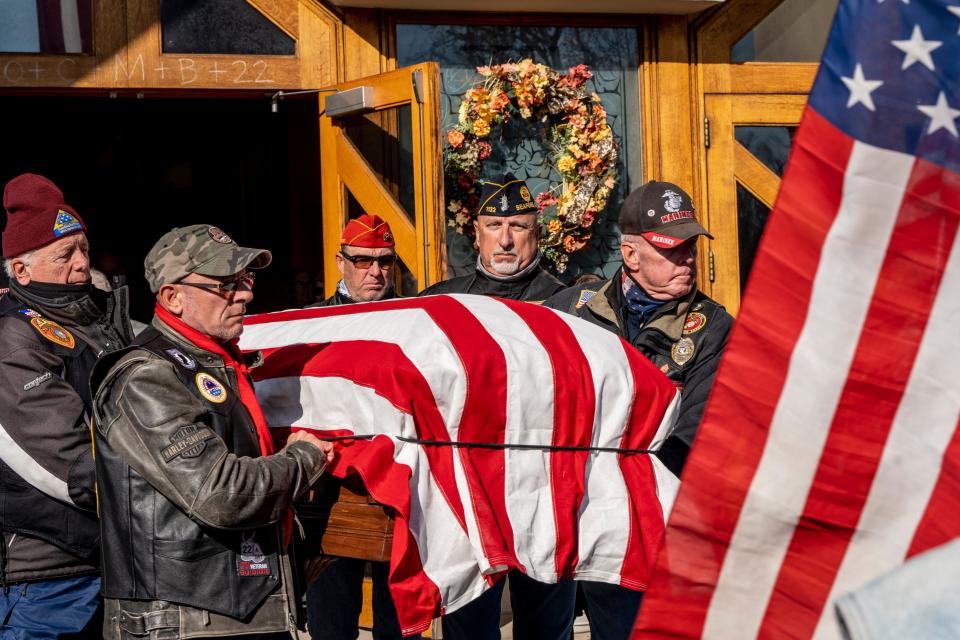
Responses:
[662,213]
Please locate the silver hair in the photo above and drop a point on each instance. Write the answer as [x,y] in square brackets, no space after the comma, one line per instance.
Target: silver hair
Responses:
[25,258]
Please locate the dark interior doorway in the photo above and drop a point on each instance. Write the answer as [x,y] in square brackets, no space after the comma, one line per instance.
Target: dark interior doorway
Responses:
[135,168]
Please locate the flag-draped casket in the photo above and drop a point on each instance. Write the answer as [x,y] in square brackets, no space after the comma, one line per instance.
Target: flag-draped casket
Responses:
[554,415]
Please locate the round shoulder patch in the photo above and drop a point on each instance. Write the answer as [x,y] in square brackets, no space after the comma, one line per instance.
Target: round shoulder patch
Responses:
[694,322]
[53,332]
[211,388]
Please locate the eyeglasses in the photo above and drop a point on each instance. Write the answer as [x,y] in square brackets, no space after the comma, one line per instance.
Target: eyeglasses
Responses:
[365,262]
[244,282]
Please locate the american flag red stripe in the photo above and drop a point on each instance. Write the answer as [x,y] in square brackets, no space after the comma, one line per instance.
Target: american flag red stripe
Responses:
[477,369]
[828,452]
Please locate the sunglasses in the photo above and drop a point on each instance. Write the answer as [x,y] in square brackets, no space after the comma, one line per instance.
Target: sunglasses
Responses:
[243,282]
[365,262]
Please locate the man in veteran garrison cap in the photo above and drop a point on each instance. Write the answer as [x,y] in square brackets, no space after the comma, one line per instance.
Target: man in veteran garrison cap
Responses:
[508,266]
[507,232]
[194,501]
[53,325]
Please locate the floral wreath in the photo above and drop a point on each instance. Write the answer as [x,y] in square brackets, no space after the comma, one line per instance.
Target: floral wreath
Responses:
[582,150]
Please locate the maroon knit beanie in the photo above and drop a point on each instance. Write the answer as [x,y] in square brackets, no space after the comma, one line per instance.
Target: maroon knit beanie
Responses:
[36,215]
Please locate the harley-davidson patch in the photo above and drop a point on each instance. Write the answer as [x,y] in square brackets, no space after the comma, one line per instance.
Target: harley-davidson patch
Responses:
[187,442]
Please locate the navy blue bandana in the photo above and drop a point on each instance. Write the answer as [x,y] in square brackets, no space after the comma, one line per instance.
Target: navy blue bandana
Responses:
[640,307]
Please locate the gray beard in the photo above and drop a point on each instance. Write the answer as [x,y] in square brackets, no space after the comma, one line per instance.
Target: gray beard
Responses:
[519,275]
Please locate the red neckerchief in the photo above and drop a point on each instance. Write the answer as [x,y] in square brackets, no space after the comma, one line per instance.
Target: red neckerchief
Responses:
[232,358]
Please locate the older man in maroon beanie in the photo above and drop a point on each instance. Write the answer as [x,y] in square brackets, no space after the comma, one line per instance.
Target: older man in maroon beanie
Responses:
[53,326]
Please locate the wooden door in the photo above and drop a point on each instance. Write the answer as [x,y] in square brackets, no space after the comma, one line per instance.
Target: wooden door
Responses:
[743,179]
[750,111]
[385,157]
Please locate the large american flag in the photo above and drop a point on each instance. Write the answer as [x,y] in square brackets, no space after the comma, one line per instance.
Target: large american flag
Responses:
[829,451]
[480,370]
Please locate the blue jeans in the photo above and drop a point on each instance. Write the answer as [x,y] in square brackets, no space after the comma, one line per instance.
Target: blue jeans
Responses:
[541,611]
[52,610]
[611,609]
[335,598]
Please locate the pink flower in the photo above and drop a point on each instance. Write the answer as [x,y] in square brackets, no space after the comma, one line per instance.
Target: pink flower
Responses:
[484,150]
[587,220]
[569,244]
[465,181]
[545,199]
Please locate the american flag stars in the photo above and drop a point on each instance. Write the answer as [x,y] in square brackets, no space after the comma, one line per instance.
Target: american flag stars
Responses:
[917,49]
[941,115]
[861,88]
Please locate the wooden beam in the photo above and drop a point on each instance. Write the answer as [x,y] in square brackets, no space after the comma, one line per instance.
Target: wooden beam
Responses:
[755,176]
[362,181]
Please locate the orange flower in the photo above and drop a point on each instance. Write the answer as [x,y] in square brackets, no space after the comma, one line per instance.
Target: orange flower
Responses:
[455,138]
[481,128]
[554,226]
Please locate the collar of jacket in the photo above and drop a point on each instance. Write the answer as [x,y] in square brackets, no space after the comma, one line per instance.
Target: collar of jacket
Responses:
[79,310]
[668,319]
[209,359]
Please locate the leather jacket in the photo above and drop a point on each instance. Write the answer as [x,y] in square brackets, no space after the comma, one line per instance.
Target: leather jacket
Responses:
[49,342]
[190,509]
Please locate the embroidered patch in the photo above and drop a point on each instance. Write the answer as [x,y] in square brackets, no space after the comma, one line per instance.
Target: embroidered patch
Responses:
[36,382]
[504,203]
[218,236]
[585,297]
[211,388]
[673,200]
[252,561]
[53,332]
[682,351]
[387,236]
[65,224]
[695,321]
[187,442]
[30,313]
[525,193]
[182,359]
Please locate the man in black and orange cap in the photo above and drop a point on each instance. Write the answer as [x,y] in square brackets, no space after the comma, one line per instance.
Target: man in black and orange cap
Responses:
[367,261]
[53,326]
[653,303]
[507,238]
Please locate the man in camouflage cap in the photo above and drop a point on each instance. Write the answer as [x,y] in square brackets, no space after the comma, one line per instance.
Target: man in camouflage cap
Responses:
[192,493]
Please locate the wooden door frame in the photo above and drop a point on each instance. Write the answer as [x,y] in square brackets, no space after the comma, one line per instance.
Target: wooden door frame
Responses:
[729,95]
[419,244]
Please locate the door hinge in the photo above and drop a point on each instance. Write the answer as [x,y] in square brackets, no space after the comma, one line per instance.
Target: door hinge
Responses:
[712,268]
[706,132]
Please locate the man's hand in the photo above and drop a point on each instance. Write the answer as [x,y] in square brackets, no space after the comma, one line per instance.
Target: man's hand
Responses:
[306,436]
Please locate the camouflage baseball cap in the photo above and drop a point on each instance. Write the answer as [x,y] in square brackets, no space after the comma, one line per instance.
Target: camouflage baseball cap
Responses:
[199,248]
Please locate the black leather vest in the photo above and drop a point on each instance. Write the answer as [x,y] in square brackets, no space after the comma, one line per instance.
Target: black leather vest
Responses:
[24,508]
[156,551]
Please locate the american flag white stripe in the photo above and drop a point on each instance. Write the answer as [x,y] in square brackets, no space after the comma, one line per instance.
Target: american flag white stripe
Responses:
[911,465]
[403,357]
[853,251]
[604,523]
[527,490]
